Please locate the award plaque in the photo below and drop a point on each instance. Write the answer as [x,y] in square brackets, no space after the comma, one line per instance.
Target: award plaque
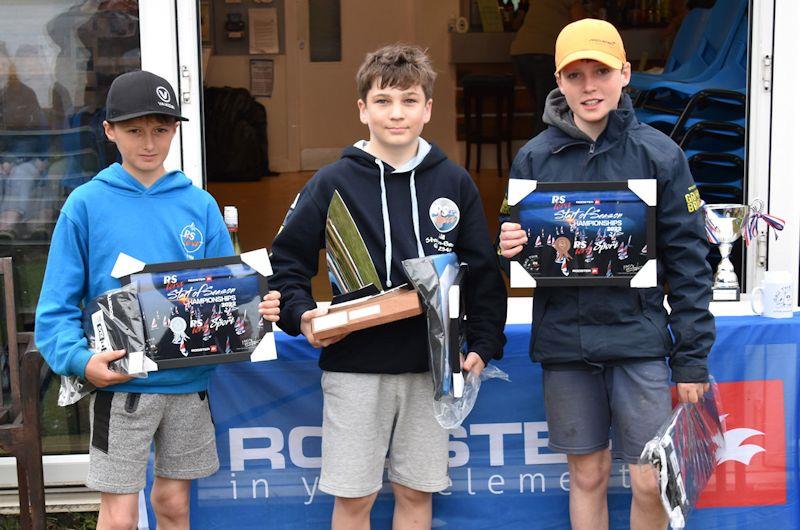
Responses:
[585,233]
[202,311]
[358,301]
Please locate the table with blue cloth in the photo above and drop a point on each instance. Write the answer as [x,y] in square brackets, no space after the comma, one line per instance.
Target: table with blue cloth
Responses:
[268,419]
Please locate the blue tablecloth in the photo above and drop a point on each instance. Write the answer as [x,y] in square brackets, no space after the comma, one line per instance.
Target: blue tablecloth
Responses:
[268,418]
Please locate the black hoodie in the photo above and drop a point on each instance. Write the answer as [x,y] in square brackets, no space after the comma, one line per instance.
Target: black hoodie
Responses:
[380,201]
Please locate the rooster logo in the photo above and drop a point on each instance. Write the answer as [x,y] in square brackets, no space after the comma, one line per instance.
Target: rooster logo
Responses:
[733,449]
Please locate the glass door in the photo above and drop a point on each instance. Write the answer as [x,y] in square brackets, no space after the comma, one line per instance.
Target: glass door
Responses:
[57,61]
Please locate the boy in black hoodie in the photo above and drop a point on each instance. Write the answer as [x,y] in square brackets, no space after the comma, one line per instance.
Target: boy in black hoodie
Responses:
[408,200]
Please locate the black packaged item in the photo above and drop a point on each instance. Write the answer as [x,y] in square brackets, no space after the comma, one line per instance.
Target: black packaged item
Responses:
[684,454]
[113,321]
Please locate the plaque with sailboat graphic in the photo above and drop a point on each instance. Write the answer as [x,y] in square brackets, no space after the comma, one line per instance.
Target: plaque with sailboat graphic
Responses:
[585,233]
[203,311]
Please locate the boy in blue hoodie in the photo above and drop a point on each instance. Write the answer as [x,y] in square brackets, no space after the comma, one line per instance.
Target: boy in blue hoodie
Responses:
[139,209]
[408,200]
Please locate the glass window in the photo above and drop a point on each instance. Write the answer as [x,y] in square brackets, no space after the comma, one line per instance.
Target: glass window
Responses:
[57,61]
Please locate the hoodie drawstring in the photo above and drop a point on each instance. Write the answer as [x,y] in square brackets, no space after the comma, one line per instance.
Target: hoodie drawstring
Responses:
[387,229]
[415,213]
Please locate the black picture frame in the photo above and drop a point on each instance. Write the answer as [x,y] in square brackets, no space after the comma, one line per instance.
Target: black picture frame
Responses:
[526,196]
[254,284]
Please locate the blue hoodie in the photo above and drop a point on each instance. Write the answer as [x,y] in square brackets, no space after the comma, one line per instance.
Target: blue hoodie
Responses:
[172,220]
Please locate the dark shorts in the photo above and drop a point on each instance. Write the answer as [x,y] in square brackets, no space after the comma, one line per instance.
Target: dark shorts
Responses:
[631,400]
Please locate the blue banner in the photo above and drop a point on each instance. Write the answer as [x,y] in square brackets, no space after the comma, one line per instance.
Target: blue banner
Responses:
[268,419]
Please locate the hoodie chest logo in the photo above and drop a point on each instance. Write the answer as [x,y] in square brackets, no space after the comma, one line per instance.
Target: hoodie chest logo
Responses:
[191,238]
[444,214]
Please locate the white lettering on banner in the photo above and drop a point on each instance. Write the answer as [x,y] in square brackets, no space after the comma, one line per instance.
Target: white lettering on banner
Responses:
[255,487]
[495,431]
[311,491]
[495,480]
[459,451]
[532,478]
[533,442]
[296,455]
[272,452]
[564,482]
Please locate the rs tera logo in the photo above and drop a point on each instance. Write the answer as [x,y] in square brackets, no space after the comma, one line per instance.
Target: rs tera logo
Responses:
[558,199]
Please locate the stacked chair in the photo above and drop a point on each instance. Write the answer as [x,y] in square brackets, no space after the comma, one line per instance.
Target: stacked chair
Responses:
[700,101]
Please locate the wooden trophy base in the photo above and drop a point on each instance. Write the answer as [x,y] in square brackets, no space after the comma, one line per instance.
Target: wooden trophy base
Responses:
[367,312]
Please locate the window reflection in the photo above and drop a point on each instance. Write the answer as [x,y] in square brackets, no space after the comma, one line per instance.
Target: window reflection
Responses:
[57,61]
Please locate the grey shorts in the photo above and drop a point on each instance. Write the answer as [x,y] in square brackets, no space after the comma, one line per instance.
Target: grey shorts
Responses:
[631,399]
[124,424]
[367,416]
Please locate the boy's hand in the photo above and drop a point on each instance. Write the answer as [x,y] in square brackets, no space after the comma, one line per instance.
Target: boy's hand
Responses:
[305,328]
[270,308]
[691,392]
[99,374]
[512,237]
[473,363]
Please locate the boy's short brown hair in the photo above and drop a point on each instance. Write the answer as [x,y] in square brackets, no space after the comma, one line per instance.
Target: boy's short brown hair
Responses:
[396,65]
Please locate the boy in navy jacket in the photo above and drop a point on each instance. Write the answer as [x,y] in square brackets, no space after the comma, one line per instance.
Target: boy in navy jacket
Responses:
[408,200]
[603,349]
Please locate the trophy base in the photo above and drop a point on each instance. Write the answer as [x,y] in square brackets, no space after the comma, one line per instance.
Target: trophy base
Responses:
[367,312]
[725,294]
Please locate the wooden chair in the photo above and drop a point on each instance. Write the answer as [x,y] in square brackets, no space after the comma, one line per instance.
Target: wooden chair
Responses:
[19,421]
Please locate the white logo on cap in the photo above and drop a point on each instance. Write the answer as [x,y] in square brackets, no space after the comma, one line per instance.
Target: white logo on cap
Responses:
[163,94]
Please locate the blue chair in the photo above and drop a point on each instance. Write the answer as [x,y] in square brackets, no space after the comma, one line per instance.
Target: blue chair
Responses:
[673,106]
[683,47]
[673,96]
[709,51]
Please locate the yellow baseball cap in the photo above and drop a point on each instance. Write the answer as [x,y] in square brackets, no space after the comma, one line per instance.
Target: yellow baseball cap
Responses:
[589,39]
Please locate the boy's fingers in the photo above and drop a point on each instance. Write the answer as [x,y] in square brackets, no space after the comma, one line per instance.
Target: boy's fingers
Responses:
[510,226]
[113,355]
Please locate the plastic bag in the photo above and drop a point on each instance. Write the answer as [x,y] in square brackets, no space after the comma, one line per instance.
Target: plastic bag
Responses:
[684,454]
[438,279]
[432,277]
[451,414]
[112,321]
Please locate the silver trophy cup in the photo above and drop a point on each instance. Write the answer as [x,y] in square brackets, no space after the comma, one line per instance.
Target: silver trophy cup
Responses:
[726,222]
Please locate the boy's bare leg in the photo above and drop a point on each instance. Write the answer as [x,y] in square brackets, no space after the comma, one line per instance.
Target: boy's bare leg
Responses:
[352,513]
[413,509]
[588,485]
[646,510]
[170,500]
[118,512]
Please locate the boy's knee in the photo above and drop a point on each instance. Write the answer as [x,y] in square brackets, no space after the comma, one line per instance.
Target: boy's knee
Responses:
[117,516]
[644,483]
[172,507]
[356,505]
[590,472]
[409,496]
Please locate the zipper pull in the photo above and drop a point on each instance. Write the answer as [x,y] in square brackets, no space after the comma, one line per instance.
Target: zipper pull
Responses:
[591,149]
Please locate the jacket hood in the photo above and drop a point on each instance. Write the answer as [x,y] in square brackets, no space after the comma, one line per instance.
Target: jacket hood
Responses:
[123,182]
[558,114]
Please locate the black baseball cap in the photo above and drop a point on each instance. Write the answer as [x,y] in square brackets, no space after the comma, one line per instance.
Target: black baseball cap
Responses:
[140,93]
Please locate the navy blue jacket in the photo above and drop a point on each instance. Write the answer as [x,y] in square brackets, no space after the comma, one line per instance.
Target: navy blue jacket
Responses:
[432,179]
[603,325]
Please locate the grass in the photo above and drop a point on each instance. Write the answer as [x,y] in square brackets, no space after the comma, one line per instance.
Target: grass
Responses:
[56,521]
